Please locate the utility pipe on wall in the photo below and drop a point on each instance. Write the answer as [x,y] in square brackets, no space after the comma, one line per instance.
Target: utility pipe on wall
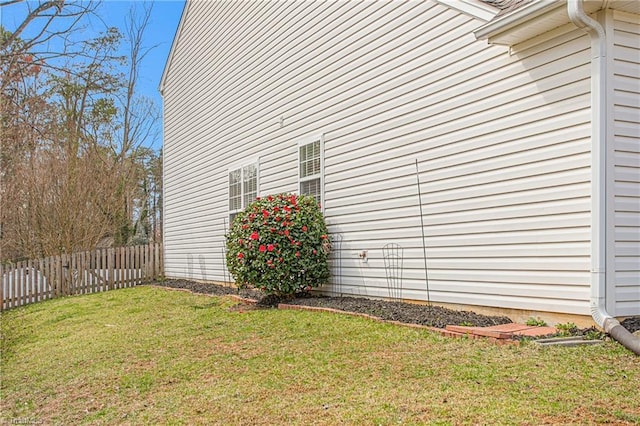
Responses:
[599,123]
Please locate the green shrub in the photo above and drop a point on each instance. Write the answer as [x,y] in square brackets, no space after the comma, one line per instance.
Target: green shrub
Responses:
[533,322]
[279,244]
[567,329]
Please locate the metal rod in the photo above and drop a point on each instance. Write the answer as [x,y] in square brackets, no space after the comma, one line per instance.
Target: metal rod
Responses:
[424,246]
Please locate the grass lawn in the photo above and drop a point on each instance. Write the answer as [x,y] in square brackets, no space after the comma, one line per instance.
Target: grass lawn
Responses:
[153,356]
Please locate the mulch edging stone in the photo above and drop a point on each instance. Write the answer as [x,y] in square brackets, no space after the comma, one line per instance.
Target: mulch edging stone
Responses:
[442,331]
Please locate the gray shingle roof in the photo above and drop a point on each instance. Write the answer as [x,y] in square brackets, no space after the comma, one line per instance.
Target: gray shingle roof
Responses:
[506,6]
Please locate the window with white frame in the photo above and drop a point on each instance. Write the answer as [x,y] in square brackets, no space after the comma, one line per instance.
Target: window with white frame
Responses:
[311,167]
[243,188]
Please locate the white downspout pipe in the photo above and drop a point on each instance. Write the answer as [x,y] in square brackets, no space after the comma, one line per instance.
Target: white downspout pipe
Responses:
[598,176]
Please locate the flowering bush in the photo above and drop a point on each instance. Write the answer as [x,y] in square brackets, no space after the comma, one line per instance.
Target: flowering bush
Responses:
[279,244]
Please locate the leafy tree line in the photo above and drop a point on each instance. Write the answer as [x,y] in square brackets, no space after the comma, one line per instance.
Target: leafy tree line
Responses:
[76,167]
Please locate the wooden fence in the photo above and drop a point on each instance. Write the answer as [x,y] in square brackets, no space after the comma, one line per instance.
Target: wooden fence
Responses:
[78,273]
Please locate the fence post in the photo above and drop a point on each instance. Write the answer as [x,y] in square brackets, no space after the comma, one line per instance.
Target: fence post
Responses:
[14,285]
[152,262]
[158,262]
[59,280]
[64,274]
[1,287]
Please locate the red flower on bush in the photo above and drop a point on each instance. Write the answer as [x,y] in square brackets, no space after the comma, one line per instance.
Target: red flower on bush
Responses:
[293,229]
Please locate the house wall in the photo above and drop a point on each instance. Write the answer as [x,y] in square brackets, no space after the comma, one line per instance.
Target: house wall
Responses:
[502,144]
[625,158]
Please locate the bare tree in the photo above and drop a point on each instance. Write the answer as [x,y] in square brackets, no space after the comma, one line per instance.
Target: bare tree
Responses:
[74,171]
[49,25]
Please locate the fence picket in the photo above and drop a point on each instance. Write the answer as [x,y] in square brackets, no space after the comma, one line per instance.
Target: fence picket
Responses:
[29,282]
[94,269]
[138,268]
[128,270]
[123,262]
[79,272]
[1,286]
[135,269]
[14,294]
[85,272]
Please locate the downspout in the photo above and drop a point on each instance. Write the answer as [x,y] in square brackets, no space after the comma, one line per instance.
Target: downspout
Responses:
[598,176]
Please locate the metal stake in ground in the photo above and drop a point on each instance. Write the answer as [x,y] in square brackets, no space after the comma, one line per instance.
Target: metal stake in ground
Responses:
[393,258]
[424,246]
[224,251]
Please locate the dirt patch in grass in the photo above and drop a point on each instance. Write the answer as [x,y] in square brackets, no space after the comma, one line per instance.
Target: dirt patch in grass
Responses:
[410,313]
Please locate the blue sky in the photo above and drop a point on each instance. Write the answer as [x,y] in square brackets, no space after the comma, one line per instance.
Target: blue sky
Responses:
[162,27]
[161,30]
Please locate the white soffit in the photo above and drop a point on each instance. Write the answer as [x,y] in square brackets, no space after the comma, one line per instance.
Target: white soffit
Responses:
[629,6]
[531,20]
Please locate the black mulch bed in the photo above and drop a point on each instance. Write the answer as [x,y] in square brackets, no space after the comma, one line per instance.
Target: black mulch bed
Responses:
[632,324]
[410,313]
[433,316]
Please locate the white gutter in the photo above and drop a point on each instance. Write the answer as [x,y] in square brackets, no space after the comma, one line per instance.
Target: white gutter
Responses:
[598,176]
[517,17]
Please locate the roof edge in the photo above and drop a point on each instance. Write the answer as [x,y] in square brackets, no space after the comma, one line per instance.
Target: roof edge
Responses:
[176,36]
[475,8]
[516,17]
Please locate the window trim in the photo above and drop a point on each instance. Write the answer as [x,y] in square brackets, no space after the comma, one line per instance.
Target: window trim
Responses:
[305,141]
[240,166]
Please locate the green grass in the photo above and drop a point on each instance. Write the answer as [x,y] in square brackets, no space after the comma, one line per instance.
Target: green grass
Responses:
[153,356]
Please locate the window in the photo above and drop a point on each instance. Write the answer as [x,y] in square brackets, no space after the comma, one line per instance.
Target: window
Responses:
[243,188]
[310,166]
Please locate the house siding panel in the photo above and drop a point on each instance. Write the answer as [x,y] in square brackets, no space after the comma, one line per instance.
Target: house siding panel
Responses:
[502,144]
[626,163]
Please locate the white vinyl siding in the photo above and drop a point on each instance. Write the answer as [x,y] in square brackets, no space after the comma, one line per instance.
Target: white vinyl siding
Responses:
[625,238]
[502,142]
